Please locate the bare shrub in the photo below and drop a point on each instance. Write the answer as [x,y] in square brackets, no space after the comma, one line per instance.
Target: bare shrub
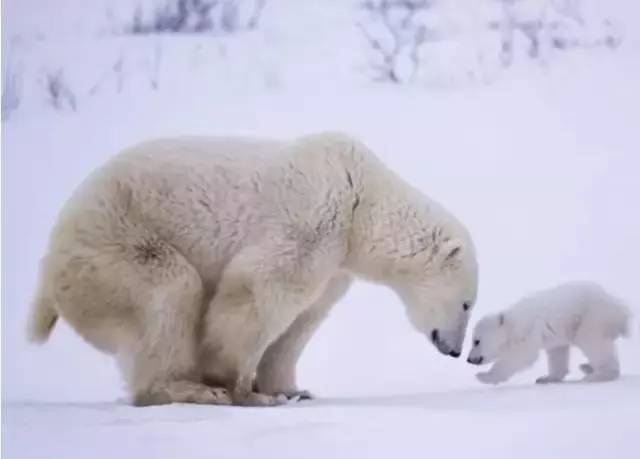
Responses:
[11,88]
[560,25]
[395,32]
[58,92]
[254,18]
[196,16]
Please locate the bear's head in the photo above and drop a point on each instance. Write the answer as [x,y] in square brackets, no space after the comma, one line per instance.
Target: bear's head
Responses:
[439,291]
[490,338]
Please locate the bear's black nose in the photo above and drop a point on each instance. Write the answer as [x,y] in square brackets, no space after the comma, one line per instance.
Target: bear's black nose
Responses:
[454,354]
[435,335]
[476,361]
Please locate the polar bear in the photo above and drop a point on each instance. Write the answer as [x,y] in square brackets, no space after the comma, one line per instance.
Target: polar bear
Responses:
[204,265]
[578,313]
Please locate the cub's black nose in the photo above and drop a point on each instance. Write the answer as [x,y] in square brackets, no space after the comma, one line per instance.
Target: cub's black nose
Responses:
[454,354]
[476,361]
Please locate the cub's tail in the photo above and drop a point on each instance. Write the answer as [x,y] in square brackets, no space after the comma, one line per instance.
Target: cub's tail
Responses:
[626,320]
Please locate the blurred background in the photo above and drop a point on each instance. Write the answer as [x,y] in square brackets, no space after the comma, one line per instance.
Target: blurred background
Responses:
[520,116]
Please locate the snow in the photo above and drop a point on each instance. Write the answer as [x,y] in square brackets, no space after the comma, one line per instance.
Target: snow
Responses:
[540,162]
[568,420]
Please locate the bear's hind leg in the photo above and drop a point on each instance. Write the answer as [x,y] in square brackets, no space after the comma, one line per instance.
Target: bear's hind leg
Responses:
[158,353]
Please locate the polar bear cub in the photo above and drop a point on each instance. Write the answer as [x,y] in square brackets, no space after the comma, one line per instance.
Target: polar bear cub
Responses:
[580,314]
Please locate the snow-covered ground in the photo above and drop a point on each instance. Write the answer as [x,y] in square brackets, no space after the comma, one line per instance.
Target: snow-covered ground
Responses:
[560,421]
[541,162]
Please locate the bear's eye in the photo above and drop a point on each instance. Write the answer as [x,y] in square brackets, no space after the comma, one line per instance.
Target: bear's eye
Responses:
[465,306]
[476,342]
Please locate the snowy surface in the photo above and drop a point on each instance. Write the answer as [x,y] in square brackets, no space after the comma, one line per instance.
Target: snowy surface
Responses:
[540,162]
[570,420]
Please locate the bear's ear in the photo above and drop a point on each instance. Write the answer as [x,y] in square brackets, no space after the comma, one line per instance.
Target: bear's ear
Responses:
[501,319]
[452,251]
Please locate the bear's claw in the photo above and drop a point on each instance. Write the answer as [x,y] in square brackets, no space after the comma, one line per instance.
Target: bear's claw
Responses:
[298,395]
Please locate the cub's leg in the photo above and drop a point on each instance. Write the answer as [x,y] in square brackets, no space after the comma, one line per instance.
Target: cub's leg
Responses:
[277,368]
[603,364]
[514,362]
[558,362]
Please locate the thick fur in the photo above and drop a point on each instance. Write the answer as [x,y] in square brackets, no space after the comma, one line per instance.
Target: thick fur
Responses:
[214,260]
[580,314]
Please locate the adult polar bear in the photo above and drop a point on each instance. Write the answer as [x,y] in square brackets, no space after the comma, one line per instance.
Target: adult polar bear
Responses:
[214,260]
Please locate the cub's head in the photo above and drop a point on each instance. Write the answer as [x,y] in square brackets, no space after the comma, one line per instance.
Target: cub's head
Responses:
[490,338]
[439,291]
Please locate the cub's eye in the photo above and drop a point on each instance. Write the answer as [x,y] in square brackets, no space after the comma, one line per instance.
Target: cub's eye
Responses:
[465,306]
[476,342]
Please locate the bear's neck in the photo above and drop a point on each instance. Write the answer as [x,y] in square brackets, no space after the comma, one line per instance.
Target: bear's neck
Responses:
[389,224]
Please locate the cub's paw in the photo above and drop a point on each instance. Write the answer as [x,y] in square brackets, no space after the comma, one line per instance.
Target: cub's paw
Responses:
[586,368]
[601,376]
[549,380]
[487,377]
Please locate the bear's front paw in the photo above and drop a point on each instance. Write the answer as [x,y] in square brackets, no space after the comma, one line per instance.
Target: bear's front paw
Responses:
[298,395]
[487,377]
[258,399]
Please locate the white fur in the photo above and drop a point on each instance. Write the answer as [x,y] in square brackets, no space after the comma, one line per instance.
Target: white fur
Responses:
[214,260]
[580,314]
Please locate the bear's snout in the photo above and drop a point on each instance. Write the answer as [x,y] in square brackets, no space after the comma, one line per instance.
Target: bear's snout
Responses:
[475,360]
[442,343]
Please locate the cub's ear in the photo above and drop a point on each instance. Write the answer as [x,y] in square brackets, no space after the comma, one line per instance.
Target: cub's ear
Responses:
[501,319]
